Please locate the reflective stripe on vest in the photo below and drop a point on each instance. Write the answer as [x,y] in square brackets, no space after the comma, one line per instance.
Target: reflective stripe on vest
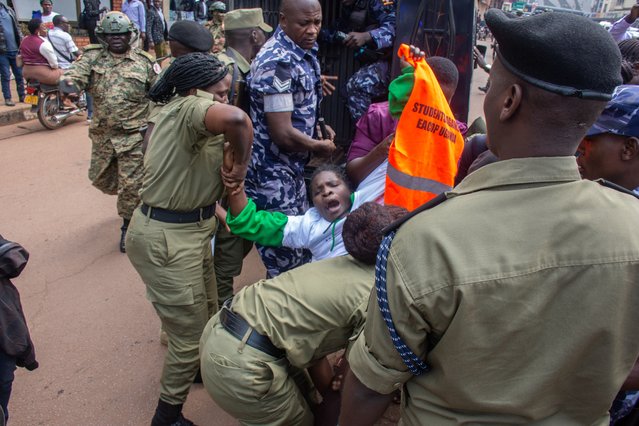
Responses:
[422,160]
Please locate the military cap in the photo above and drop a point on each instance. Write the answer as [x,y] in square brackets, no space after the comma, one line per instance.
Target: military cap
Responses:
[218,5]
[559,52]
[239,19]
[192,35]
[621,115]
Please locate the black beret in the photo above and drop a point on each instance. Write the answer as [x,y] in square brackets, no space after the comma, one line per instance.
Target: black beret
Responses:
[192,35]
[559,52]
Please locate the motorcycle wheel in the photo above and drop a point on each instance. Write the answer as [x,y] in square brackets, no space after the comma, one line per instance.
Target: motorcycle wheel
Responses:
[48,108]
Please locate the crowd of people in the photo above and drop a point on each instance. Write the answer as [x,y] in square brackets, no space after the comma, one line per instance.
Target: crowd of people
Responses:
[485,278]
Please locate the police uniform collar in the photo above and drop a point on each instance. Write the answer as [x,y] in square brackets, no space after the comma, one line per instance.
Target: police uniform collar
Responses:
[281,36]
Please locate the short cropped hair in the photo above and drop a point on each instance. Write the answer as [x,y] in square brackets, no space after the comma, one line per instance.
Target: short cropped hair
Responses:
[445,70]
[34,24]
[57,20]
[337,170]
[362,232]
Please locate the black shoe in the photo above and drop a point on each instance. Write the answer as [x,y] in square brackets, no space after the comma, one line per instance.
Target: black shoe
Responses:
[21,99]
[182,421]
[483,89]
[169,415]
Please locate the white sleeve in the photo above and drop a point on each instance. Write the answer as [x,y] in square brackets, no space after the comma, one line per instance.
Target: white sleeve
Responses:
[372,188]
[47,51]
[298,229]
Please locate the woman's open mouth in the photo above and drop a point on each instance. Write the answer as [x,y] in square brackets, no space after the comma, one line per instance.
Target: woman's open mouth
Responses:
[333,206]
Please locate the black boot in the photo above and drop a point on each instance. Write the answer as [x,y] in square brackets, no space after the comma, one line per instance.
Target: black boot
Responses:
[125,226]
[169,415]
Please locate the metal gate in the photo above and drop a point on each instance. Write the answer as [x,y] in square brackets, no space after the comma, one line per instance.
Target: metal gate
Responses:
[441,27]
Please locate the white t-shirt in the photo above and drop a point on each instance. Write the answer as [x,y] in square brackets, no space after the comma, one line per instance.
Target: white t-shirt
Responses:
[48,20]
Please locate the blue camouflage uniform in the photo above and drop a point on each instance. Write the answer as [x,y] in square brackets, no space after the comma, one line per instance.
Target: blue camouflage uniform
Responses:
[275,178]
[371,81]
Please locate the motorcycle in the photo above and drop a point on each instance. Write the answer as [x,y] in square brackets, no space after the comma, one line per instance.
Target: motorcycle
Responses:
[48,103]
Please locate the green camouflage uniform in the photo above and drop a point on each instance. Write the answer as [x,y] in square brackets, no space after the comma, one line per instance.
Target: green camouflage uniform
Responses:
[118,84]
[217,31]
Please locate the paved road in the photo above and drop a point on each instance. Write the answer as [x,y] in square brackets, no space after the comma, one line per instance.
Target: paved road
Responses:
[96,336]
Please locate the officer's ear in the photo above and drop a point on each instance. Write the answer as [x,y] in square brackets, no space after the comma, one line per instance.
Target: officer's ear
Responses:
[253,36]
[511,102]
[630,149]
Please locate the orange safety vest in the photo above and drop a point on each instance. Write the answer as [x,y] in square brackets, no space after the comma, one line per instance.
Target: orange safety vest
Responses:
[422,160]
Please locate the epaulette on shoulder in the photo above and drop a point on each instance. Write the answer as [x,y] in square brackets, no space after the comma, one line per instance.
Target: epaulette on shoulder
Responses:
[147,55]
[608,184]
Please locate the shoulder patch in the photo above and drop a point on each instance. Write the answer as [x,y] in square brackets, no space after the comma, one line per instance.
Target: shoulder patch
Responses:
[282,78]
[157,68]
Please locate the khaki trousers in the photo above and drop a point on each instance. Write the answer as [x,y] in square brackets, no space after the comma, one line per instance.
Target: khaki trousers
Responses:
[250,385]
[230,251]
[176,264]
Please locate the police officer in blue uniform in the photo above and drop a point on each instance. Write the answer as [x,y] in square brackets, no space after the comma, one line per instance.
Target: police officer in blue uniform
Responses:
[285,93]
[368,27]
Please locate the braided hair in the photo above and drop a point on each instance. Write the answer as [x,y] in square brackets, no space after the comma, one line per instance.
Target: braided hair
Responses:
[629,50]
[627,71]
[193,71]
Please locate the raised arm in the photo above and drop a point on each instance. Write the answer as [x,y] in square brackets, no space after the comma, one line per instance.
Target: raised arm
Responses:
[237,127]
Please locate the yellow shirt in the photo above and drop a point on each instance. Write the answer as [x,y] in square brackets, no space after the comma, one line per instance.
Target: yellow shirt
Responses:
[521,293]
[310,311]
[183,161]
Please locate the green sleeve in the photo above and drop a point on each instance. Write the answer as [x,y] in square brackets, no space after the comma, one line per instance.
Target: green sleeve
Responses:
[400,90]
[265,228]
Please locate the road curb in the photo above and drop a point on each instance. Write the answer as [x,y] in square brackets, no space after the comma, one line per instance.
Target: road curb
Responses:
[16,114]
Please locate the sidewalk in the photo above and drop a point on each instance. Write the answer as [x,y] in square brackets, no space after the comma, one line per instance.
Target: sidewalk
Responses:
[15,114]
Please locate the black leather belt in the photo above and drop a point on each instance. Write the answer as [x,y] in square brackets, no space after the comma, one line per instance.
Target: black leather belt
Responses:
[238,327]
[171,216]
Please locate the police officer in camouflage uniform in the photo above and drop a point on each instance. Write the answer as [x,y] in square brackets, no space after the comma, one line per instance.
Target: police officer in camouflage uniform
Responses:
[216,25]
[118,77]
[368,27]
[285,92]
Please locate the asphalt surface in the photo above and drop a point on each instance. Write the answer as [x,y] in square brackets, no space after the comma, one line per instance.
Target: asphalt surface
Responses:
[96,336]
